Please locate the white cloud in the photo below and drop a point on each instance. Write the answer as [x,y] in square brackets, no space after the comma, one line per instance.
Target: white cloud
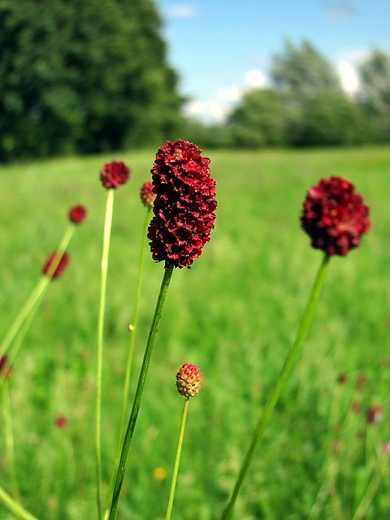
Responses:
[255,79]
[182,11]
[349,78]
[215,109]
[231,95]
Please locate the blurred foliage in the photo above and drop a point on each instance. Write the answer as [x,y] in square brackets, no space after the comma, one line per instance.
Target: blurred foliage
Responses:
[306,105]
[260,120]
[375,98]
[83,76]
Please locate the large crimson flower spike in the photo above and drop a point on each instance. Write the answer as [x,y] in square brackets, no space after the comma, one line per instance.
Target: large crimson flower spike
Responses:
[334,216]
[184,206]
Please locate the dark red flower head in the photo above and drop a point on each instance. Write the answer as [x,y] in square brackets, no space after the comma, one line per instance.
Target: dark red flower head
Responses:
[334,216]
[61,421]
[375,415]
[114,174]
[188,380]
[60,267]
[5,369]
[184,206]
[77,214]
[147,195]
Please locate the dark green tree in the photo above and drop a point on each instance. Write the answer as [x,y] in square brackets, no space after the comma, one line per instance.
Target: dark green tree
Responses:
[330,118]
[84,76]
[301,72]
[259,120]
[375,94]
[300,75]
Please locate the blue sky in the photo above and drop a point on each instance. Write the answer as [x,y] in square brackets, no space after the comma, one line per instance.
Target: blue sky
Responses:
[223,47]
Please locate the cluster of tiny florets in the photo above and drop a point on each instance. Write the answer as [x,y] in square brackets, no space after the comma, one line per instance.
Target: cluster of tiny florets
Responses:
[114,174]
[188,380]
[77,214]
[62,265]
[184,206]
[147,194]
[334,216]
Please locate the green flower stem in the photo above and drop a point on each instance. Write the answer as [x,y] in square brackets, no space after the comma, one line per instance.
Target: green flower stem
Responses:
[280,384]
[372,487]
[14,507]
[9,440]
[99,368]
[130,353]
[177,459]
[21,335]
[138,395]
[38,292]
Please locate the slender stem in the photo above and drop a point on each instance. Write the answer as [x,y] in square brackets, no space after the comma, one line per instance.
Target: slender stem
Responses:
[372,488]
[37,292]
[99,370]
[130,353]
[138,395]
[14,507]
[177,458]
[280,383]
[9,439]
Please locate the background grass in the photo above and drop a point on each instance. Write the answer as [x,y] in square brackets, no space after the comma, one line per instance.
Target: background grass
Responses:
[234,314]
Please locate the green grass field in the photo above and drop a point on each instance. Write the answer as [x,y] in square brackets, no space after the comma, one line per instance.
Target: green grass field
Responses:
[234,314]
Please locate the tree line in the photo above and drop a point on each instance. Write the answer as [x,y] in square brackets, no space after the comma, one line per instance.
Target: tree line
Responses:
[306,106]
[81,76]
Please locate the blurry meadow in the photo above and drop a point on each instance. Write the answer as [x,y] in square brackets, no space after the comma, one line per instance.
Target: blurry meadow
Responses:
[234,314]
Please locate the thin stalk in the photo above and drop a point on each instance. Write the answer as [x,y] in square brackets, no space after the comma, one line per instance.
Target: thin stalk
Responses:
[130,353]
[22,334]
[280,384]
[138,395]
[99,368]
[14,507]
[369,495]
[37,292]
[177,458]
[9,440]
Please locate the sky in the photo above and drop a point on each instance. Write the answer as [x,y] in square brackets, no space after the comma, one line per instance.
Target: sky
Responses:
[222,48]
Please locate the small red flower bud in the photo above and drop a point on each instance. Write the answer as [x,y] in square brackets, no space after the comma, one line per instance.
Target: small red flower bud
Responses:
[147,194]
[61,421]
[184,206]
[5,369]
[375,415]
[334,216]
[355,406]
[77,214]
[342,378]
[188,380]
[114,174]
[60,267]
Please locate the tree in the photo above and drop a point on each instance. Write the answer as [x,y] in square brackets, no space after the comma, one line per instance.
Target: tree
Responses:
[303,72]
[259,120]
[299,75]
[330,118]
[83,75]
[375,95]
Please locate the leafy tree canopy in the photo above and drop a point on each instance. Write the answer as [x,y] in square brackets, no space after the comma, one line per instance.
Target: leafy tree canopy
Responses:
[375,95]
[83,75]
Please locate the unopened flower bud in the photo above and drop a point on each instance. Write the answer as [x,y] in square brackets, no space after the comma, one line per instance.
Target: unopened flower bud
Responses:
[147,194]
[188,380]
[77,214]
